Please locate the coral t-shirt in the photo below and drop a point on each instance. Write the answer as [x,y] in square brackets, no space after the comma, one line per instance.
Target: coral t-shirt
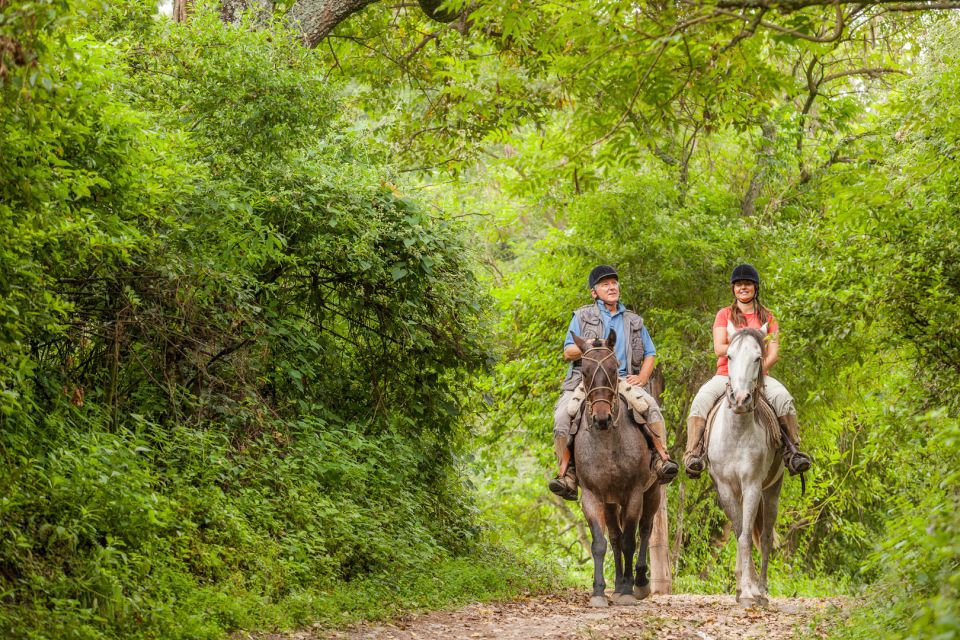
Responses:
[753,321]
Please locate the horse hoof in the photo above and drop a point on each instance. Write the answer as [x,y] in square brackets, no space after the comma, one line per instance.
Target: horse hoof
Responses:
[747,603]
[625,600]
[641,592]
[599,601]
[763,602]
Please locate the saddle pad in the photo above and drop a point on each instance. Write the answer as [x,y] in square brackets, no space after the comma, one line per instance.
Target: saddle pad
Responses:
[764,413]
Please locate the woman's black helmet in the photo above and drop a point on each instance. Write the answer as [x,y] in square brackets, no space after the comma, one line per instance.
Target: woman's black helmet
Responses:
[599,273]
[745,272]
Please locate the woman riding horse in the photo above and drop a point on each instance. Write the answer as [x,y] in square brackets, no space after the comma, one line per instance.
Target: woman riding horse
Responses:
[745,312]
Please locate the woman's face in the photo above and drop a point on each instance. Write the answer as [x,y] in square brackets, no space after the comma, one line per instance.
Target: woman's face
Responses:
[744,290]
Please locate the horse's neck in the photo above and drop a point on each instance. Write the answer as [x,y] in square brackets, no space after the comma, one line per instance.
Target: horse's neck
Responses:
[617,437]
[739,423]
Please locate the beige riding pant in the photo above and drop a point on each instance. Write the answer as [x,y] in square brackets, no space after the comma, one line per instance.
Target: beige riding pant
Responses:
[562,422]
[775,393]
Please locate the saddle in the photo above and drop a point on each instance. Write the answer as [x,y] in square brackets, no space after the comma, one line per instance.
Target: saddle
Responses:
[764,414]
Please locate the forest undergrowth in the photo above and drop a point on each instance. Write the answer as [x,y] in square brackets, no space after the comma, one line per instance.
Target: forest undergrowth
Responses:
[280,330]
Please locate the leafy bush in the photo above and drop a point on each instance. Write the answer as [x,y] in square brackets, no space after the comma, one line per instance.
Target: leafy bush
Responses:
[233,354]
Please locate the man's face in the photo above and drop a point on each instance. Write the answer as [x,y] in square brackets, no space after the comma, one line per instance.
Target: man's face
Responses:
[607,290]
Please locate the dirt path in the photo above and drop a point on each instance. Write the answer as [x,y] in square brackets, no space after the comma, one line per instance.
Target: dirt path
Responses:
[566,616]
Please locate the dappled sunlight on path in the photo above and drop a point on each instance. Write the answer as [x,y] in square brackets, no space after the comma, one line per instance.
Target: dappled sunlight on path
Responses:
[566,616]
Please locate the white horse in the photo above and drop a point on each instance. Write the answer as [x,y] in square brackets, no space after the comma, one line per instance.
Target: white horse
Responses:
[743,453]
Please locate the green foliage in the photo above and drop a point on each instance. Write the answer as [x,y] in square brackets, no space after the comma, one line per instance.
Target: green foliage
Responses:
[239,358]
[233,353]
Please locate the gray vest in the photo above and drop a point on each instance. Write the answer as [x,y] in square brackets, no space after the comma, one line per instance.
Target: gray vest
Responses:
[591,328]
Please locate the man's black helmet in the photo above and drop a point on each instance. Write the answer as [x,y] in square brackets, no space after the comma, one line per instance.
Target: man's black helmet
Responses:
[745,272]
[599,273]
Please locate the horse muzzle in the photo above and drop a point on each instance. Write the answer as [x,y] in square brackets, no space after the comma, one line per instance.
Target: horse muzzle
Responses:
[602,423]
[744,403]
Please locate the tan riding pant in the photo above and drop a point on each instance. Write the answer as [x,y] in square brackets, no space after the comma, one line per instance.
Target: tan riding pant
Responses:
[775,393]
[562,420]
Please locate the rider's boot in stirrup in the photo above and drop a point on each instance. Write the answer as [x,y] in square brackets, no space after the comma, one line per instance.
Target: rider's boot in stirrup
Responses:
[795,460]
[666,470]
[693,457]
[565,486]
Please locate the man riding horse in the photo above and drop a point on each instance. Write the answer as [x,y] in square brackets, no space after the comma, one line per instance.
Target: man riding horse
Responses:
[636,356]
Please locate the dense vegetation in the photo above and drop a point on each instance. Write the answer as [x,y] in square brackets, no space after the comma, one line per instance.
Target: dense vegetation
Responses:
[233,354]
[280,327]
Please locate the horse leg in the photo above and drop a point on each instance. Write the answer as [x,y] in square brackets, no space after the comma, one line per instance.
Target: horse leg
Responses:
[594,513]
[730,501]
[651,504]
[749,590]
[769,507]
[615,533]
[618,541]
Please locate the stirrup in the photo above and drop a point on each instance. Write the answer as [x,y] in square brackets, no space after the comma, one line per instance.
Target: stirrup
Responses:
[694,467]
[797,462]
[561,486]
[666,470]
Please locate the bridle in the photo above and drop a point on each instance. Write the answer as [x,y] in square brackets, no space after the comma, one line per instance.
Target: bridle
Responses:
[611,386]
[728,392]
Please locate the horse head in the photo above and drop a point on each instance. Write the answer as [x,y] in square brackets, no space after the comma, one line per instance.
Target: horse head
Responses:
[600,378]
[745,362]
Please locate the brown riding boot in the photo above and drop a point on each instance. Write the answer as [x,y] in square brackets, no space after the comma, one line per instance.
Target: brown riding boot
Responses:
[565,484]
[665,468]
[795,460]
[693,462]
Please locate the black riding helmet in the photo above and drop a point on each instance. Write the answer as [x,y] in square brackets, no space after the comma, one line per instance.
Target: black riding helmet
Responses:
[599,273]
[745,272]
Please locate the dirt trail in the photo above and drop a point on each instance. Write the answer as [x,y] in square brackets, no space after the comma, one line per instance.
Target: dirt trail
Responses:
[566,616]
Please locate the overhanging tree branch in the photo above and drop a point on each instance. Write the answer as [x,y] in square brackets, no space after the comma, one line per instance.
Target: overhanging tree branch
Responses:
[317,18]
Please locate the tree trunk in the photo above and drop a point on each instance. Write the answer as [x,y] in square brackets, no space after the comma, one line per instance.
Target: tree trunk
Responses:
[232,10]
[661,580]
[180,10]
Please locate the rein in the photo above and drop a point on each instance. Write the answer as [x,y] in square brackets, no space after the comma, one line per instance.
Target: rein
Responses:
[614,404]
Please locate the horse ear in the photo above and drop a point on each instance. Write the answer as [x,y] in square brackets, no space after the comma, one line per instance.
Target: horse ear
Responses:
[730,329]
[611,339]
[764,329]
[580,342]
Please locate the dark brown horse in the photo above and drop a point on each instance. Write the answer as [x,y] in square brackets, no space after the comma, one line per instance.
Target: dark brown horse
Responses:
[620,491]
